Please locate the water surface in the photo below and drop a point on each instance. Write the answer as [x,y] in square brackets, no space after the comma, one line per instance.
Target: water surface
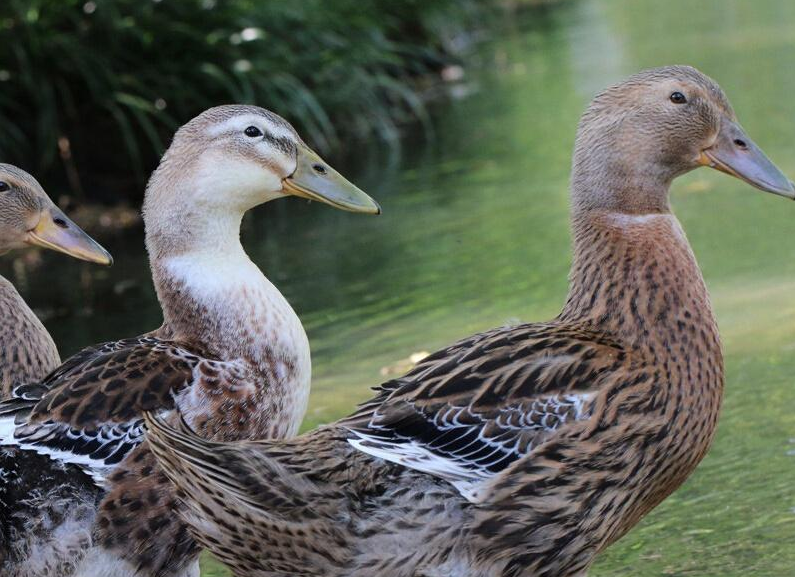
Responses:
[474,234]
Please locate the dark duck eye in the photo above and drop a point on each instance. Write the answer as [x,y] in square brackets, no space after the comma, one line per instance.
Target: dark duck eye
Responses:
[4,186]
[678,98]
[252,132]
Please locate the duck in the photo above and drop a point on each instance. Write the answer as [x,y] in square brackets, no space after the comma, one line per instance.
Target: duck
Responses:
[524,450]
[28,217]
[231,355]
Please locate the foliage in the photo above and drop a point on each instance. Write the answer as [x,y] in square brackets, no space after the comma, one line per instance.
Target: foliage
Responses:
[92,90]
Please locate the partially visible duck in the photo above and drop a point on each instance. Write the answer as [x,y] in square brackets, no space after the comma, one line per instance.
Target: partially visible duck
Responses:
[231,354]
[27,352]
[29,218]
[524,450]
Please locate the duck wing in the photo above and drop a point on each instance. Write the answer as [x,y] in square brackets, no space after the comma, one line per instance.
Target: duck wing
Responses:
[467,412]
[88,411]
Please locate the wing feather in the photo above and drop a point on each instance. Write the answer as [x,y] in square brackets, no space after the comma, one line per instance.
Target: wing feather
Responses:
[88,411]
[469,411]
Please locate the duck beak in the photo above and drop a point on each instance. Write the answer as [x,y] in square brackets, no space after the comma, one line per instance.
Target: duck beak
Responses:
[57,232]
[736,154]
[316,180]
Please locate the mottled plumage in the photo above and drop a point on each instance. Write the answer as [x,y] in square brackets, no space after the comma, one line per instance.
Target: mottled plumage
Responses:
[231,354]
[27,354]
[525,450]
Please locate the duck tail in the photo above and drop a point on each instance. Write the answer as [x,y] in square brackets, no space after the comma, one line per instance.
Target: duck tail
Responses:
[230,488]
[179,449]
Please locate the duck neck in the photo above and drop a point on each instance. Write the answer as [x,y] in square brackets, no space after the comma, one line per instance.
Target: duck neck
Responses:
[27,352]
[216,299]
[635,276]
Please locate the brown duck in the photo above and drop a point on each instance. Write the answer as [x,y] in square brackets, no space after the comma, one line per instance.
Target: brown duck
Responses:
[29,218]
[526,450]
[231,356]
[27,352]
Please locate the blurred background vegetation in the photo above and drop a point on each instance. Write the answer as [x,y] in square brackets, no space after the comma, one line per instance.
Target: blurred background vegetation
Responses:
[91,91]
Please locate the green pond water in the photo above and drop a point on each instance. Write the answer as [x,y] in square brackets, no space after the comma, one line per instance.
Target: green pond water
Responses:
[475,234]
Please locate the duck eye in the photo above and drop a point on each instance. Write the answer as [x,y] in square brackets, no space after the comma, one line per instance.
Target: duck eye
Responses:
[252,132]
[4,186]
[678,98]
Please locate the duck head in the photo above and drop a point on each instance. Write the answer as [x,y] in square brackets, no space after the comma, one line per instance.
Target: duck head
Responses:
[240,156]
[29,218]
[640,134]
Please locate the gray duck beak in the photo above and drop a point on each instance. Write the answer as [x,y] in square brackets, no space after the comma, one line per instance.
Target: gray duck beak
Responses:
[736,154]
[316,180]
[56,231]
